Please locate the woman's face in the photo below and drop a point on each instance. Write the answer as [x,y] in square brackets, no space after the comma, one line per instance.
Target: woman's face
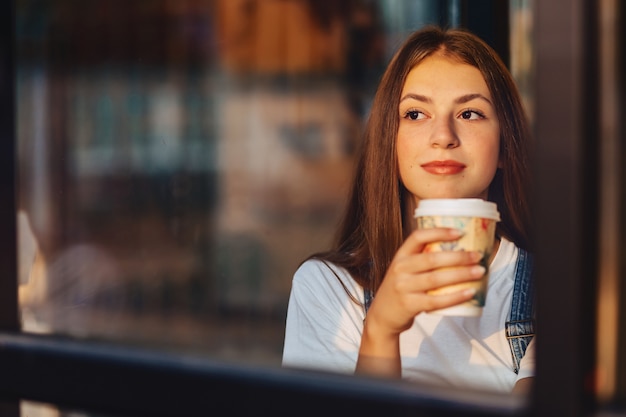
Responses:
[449,137]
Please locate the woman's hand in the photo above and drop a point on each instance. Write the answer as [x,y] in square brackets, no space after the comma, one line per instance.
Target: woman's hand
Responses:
[412,273]
[403,294]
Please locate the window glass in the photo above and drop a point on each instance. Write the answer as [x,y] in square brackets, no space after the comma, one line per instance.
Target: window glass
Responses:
[179,159]
[521,42]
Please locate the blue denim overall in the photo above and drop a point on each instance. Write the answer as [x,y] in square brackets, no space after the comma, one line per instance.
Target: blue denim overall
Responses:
[520,326]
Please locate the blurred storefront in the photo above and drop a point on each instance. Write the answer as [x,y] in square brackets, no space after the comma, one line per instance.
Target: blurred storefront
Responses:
[178,159]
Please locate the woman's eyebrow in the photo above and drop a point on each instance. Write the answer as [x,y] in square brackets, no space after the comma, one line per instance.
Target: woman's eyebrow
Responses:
[460,100]
[417,97]
[469,97]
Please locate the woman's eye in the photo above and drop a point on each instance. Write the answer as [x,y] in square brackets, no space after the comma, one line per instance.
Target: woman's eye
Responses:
[471,115]
[414,115]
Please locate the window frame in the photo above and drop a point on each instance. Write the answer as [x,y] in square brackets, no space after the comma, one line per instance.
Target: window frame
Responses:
[127,382]
[122,381]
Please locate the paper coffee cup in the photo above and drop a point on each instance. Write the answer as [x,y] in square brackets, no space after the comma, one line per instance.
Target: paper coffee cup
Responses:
[477,219]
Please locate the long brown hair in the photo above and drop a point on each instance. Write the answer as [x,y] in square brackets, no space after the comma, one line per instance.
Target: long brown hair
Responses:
[375,222]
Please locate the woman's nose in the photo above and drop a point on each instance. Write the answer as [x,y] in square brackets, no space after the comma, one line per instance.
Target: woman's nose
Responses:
[444,135]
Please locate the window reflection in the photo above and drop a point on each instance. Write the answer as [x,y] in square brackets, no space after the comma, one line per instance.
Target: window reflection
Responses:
[178,159]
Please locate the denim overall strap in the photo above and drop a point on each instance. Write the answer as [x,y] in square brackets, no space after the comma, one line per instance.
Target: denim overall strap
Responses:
[367,295]
[520,327]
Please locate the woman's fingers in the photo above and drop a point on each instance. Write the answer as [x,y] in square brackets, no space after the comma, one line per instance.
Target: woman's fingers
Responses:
[436,302]
[416,242]
[416,270]
[431,279]
[428,261]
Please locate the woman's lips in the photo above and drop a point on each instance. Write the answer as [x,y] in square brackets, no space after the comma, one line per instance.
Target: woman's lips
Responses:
[443,167]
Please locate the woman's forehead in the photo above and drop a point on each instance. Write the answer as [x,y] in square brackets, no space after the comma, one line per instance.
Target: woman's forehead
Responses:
[444,73]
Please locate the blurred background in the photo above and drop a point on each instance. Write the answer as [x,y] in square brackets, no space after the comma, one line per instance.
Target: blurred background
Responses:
[178,159]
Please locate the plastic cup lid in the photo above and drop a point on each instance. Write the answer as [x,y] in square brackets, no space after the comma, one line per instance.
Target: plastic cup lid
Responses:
[466,207]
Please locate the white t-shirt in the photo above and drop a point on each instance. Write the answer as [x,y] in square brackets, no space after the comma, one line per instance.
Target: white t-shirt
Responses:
[324,328]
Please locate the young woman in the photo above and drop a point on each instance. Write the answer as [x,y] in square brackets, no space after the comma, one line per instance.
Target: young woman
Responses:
[446,122]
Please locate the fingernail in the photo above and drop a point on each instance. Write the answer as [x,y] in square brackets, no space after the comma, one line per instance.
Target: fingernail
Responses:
[478,270]
[469,291]
[477,256]
[456,232]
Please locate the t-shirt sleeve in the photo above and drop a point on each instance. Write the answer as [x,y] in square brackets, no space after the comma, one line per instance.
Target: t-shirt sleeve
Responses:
[324,325]
[527,364]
